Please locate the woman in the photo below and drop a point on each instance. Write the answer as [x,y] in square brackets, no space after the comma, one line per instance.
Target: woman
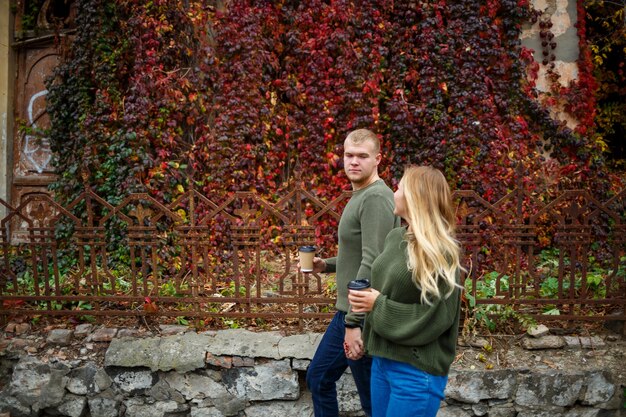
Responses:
[413,307]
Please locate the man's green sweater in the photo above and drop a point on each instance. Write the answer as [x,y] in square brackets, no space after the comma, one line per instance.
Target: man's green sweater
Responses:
[399,327]
[364,224]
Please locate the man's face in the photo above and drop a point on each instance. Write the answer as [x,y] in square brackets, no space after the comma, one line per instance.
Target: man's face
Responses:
[360,161]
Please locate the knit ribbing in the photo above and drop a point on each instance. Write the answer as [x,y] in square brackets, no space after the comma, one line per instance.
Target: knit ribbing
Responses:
[400,327]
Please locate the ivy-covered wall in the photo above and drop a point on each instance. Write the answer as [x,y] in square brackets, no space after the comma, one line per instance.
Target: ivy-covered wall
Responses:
[233,95]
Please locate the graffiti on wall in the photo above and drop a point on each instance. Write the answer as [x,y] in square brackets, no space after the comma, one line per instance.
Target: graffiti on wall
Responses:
[33,152]
[36,154]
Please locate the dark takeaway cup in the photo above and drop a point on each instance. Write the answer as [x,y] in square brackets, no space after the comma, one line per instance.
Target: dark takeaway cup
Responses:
[360,284]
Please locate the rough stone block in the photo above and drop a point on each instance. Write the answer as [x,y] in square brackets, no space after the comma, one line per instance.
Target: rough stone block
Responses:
[83,330]
[274,380]
[52,392]
[103,407]
[205,412]
[599,389]
[347,395]
[133,381]
[128,333]
[137,408]
[103,334]
[240,342]
[220,361]
[301,346]
[4,344]
[472,387]
[242,361]
[172,329]
[73,406]
[502,412]
[302,407]
[584,342]
[12,406]
[181,352]
[545,342]
[22,328]
[541,412]
[538,331]
[197,386]
[549,388]
[480,409]
[62,337]
[29,378]
[453,411]
[81,381]
[300,364]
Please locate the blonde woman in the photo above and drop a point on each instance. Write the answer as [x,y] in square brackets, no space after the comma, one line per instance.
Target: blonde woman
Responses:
[413,308]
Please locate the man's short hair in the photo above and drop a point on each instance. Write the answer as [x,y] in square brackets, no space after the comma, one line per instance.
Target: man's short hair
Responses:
[362,135]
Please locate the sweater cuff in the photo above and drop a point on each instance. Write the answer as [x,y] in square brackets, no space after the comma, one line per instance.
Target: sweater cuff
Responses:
[379,300]
[330,265]
[354,320]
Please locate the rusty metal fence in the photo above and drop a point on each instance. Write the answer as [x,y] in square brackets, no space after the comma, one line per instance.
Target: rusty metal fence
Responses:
[234,256]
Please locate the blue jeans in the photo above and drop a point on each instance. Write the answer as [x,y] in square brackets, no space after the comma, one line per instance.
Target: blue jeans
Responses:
[327,366]
[402,390]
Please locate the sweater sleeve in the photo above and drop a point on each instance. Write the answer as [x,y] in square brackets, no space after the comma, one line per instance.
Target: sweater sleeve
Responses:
[413,324]
[331,264]
[377,220]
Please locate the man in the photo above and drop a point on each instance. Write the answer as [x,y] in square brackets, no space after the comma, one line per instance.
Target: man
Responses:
[364,224]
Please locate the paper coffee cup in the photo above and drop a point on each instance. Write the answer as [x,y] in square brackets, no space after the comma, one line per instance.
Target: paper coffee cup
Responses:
[306,253]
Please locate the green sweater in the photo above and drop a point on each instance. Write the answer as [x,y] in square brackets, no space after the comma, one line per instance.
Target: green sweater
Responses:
[364,224]
[399,327]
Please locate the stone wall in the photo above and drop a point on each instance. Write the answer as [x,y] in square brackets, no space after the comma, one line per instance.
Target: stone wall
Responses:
[109,372]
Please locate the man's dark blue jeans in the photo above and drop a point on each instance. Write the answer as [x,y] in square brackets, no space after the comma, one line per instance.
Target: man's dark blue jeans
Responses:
[327,366]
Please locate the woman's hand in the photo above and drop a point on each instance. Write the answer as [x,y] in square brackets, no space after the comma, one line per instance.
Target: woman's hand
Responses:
[362,301]
[353,344]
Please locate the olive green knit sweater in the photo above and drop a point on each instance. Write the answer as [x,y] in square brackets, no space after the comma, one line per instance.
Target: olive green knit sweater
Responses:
[401,328]
[365,222]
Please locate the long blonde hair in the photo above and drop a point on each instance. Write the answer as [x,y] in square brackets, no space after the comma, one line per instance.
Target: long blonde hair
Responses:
[433,251]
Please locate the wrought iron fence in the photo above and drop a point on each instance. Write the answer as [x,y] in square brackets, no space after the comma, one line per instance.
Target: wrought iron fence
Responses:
[233,256]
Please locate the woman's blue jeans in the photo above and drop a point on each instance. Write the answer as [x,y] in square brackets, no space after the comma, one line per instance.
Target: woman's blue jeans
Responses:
[402,390]
[327,366]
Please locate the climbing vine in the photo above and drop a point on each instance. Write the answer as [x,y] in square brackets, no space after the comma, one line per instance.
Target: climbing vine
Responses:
[230,96]
[605,32]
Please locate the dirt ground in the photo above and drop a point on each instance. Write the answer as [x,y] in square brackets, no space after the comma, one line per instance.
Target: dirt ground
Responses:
[507,352]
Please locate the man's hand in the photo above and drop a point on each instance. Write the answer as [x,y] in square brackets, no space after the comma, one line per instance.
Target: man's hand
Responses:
[362,301]
[353,344]
[318,265]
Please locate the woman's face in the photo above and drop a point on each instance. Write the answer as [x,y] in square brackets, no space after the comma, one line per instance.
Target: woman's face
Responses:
[400,202]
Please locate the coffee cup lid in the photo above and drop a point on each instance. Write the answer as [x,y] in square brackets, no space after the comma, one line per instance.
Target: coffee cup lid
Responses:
[307,248]
[359,284]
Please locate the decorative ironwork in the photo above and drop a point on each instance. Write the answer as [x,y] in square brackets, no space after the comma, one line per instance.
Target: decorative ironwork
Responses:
[235,255]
